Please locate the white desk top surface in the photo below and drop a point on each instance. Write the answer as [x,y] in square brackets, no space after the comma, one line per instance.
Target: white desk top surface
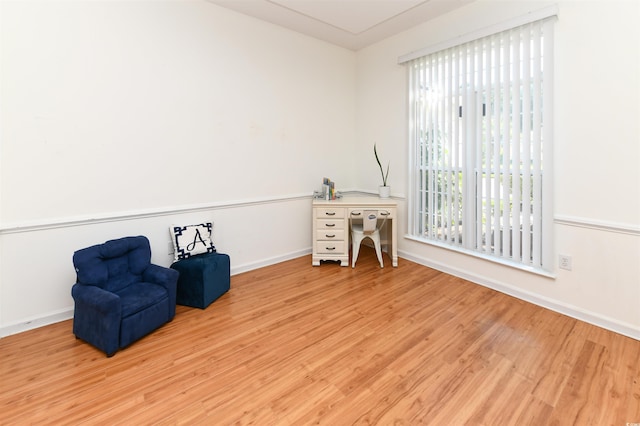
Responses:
[355,200]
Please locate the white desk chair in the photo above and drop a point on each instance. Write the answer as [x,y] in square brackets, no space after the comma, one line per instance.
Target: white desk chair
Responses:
[369,228]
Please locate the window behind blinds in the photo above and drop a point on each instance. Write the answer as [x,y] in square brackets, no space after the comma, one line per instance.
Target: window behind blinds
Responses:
[480,143]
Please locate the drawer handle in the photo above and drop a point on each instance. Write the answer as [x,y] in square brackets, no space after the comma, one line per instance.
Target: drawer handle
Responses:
[355,213]
[330,236]
[331,248]
[330,213]
[330,224]
[385,213]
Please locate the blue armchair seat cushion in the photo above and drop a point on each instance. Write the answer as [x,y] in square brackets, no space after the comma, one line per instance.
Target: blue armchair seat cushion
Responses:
[139,296]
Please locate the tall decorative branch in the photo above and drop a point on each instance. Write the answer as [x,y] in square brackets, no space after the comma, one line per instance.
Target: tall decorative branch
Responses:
[384,176]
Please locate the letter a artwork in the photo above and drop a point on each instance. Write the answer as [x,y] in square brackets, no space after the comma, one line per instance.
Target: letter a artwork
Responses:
[197,238]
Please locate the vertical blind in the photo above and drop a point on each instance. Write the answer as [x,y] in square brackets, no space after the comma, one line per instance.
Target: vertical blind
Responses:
[480,142]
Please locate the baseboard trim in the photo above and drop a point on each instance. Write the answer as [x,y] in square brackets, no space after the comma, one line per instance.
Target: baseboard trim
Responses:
[36,322]
[65,314]
[562,308]
[239,269]
[572,311]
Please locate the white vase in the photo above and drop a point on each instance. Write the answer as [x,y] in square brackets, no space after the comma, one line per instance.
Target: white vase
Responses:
[384,191]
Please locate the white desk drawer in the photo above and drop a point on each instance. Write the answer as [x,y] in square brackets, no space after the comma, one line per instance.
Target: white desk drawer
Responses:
[330,234]
[331,247]
[359,213]
[330,213]
[330,224]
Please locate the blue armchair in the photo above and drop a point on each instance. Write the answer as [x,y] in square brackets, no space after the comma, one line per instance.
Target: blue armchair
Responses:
[119,295]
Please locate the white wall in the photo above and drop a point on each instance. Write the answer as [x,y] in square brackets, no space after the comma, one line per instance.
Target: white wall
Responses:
[597,153]
[120,118]
[111,106]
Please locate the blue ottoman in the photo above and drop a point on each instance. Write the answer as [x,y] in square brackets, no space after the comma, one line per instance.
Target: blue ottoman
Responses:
[203,279]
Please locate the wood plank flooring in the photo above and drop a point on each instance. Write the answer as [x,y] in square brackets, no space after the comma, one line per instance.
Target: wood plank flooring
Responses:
[292,344]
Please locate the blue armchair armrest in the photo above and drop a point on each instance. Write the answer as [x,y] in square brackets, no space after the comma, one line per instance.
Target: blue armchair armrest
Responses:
[95,303]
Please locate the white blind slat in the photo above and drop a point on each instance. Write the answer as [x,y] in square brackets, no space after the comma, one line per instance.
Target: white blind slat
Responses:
[537,150]
[516,178]
[497,135]
[505,138]
[547,189]
[526,148]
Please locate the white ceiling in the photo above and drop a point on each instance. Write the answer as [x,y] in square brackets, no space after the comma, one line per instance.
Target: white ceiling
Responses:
[352,24]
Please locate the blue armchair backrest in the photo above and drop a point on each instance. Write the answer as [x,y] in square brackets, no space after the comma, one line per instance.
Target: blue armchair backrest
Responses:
[113,265]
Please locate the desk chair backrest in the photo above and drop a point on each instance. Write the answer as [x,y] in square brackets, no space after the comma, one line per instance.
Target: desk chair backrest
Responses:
[372,222]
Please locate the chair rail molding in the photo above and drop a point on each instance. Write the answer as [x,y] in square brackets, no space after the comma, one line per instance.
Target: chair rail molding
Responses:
[600,225]
[19,227]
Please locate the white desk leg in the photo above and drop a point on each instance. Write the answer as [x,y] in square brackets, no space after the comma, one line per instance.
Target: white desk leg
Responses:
[394,243]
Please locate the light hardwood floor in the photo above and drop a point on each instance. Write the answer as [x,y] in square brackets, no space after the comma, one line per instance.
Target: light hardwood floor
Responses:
[293,344]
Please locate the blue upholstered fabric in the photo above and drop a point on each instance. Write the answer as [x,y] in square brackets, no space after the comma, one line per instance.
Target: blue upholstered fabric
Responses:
[119,295]
[203,279]
[114,264]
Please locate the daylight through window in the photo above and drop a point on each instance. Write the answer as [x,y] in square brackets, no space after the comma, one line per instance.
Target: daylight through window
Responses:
[480,143]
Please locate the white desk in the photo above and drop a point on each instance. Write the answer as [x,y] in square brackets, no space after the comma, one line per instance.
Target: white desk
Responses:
[331,226]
